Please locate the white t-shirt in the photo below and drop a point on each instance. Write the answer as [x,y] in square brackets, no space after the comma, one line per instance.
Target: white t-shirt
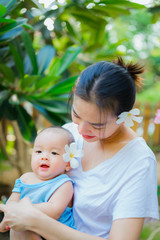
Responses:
[124,186]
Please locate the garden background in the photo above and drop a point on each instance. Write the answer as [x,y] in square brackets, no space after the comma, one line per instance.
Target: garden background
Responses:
[44,45]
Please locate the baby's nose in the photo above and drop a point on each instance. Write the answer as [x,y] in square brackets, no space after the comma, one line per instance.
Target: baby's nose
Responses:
[44,157]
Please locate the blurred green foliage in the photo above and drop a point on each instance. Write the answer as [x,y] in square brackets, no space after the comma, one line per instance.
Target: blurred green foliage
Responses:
[40,62]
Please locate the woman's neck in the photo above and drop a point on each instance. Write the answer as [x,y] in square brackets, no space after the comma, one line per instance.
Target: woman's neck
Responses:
[122,134]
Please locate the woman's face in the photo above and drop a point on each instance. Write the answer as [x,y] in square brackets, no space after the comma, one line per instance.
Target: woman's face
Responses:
[92,124]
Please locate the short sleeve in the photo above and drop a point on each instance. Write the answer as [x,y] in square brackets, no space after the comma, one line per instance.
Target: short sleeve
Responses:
[138,195]
[17,186]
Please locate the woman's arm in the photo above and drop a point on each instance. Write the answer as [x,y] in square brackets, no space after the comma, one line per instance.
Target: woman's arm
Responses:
[13,197]
[23,216]
[127,228]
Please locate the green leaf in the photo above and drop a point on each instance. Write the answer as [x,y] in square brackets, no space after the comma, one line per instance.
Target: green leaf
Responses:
[27,83]
[67,59]
[30,50]
[9,110]
[7,73]
[26,124]
[44,57]
[12,34]
[54,67]
[126,3]
[28,26]
[45,83]
[8,3]
[12,25]
[62,87]
[52,106]
[70,29]
[6,20]
[3,10]
[54,118]
[112,11]
[18,60]
[4,95]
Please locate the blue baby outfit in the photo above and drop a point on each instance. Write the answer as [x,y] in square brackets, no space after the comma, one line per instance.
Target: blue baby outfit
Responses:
[41,192]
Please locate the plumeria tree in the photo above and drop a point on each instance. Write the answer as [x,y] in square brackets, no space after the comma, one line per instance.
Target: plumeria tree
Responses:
[37,70]
[38,79]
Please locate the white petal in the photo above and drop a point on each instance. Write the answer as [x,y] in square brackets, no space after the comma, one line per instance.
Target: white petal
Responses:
[119,121]
[67,149]
[137,119]
[128,122]
[123,115]
[135,111]
[73,147]
[66,157]
[74,163]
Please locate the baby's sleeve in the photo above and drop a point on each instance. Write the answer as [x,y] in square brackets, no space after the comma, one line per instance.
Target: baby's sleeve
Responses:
[17,186]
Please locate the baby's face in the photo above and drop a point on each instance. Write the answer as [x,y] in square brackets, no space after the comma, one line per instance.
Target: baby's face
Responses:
[47,157]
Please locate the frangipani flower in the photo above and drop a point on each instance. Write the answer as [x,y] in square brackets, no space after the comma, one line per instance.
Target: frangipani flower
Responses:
[128,117]
[72,152]
[157,118]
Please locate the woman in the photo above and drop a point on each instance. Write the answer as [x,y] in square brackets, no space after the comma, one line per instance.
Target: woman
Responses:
[115,184]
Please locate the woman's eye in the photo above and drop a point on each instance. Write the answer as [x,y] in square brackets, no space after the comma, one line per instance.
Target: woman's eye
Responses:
[75,114]
[98,127]
[55,153]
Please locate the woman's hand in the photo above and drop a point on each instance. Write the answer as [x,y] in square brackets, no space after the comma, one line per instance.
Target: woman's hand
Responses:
[18,214]
[3,226]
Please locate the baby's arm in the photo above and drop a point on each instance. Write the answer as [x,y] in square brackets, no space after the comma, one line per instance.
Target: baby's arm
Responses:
[58,201]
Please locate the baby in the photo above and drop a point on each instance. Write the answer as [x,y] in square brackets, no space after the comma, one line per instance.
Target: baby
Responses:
[47,185]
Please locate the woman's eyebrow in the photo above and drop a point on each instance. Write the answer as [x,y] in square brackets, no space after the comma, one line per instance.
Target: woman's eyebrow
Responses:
[74,111]
[95,124]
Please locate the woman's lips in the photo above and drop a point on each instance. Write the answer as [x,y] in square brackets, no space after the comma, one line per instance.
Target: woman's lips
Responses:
[87,137]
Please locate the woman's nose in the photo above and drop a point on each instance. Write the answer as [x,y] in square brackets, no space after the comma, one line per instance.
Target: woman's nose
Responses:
[83,127]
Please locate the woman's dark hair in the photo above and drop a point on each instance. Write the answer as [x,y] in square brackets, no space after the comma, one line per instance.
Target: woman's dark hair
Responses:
[111,85]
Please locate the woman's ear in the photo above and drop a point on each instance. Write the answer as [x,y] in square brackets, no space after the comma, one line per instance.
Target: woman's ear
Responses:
[68,166]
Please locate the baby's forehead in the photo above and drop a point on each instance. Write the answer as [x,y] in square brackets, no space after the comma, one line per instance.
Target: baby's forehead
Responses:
[50,133]
[54,131]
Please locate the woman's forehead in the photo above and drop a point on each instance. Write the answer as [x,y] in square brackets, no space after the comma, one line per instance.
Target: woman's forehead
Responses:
[89,111]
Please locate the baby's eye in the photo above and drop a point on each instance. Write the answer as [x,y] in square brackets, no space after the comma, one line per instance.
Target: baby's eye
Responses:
[38,151]
[55,153]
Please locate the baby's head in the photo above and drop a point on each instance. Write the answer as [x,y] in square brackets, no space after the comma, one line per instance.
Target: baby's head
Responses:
[47,156]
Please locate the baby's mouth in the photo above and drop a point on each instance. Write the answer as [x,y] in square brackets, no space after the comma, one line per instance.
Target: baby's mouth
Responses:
[43,165]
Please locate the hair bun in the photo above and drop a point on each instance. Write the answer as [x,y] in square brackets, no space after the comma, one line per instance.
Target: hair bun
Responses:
[134,69]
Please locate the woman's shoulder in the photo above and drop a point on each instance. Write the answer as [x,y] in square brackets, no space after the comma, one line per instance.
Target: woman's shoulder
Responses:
[137,144]
[139,153]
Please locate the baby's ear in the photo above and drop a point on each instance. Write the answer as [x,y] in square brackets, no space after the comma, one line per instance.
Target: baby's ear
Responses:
[68,166]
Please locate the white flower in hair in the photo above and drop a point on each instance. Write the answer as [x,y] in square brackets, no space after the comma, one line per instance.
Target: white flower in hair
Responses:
[72,152]
[128,117]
